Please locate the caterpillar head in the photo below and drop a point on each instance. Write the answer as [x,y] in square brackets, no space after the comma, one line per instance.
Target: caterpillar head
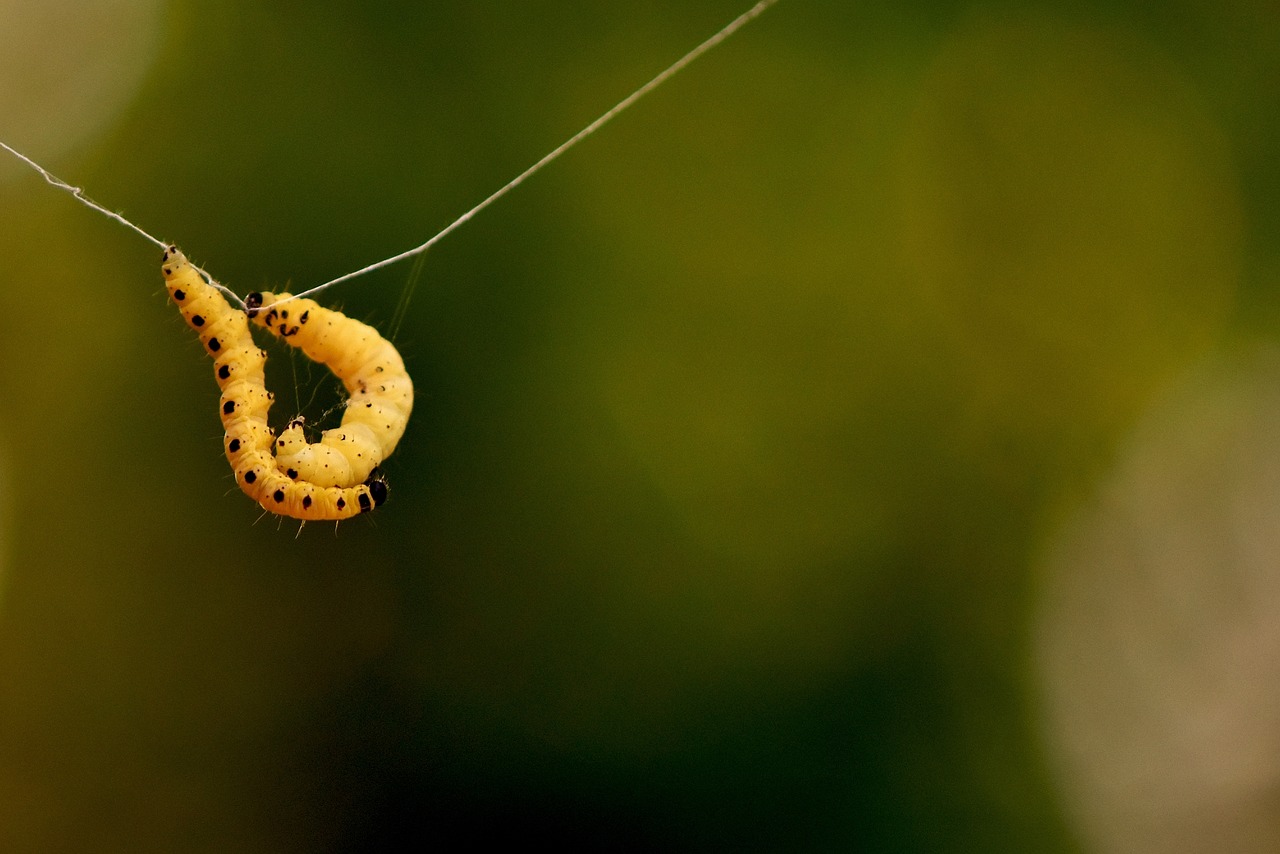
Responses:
[261,310]
[255,302]
[378,488]
[172,262]
[259,300]
[292,438]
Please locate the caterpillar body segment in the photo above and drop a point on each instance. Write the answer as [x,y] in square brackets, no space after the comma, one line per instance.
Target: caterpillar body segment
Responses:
[339,461]
[223,331]
[243,406]
[261,479]
[380,392]
[238,363]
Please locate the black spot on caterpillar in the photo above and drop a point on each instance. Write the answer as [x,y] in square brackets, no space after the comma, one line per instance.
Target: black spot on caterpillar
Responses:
[245,401]
[373,421]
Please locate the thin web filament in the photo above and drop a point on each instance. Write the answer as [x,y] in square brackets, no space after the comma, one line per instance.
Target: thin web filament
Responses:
[679,65]
[673,69]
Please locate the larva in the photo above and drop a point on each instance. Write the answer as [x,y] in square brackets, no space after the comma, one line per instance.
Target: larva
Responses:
[238,367]
[380,393]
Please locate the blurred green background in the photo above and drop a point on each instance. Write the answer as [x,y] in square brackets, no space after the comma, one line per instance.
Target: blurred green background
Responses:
[743,434]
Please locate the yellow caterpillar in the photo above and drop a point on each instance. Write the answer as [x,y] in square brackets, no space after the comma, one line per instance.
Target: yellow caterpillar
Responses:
[238,366]
[380,393]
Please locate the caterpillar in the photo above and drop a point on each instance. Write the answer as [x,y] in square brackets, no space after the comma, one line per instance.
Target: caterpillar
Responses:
[239,365]
[288,475]
[380,393]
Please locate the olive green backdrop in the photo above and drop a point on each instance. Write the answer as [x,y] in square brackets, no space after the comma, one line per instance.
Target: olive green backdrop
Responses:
[740,432]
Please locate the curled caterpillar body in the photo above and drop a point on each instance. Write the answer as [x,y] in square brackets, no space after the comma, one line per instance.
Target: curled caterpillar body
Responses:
[261,479]
[248,442]
[380,393]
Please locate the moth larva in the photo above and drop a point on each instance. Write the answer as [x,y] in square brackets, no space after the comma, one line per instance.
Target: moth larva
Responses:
[380,393]
[238,367]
